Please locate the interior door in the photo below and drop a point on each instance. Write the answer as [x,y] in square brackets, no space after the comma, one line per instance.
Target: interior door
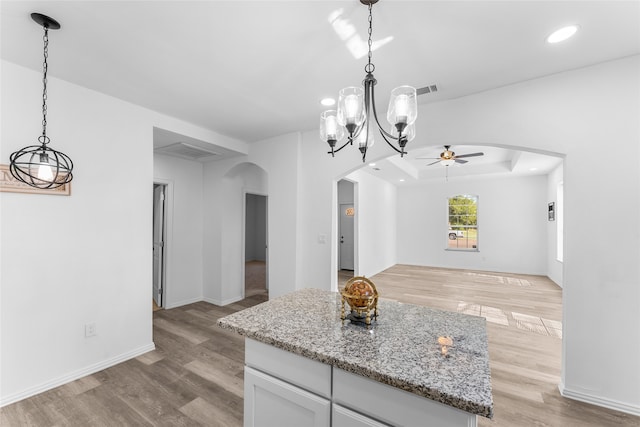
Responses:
[347,214]
[158,243]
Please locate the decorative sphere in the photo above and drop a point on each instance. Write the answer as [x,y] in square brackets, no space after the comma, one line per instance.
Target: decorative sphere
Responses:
[360,292]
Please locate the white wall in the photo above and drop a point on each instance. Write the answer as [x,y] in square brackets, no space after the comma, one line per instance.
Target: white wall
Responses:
[317,256]
[512,224]
[375,223]
[601,291]
[554,267]
[183,243]
[225,183]
[562,114]
[94,264]
[68,261]
[278,158]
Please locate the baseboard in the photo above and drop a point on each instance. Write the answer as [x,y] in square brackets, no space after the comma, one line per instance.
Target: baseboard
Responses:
[599,401]
[223,302]
[183,302]
[92,369]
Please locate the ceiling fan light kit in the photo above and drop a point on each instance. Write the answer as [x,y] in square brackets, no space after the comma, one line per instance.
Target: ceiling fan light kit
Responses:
[356,106]
[448,157]
[41,166]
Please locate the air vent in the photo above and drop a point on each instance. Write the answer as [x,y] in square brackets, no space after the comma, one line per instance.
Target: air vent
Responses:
[185,151]
[427,89]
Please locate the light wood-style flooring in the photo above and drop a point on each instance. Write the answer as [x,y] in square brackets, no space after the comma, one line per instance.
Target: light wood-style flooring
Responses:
[194,377]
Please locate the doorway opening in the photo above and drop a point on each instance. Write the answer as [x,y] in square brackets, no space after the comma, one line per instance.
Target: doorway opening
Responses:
[255,246]
[159,233]
[346,231]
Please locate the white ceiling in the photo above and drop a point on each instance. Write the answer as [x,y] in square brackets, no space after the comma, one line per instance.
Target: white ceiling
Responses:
[257,69]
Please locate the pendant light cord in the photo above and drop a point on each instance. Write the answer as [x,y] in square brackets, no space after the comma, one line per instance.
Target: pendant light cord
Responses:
[44,139]
[369,68]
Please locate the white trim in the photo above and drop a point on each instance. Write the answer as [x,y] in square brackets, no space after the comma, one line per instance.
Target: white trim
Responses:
[80,373]
[224,302]
[184,302]
[599,401]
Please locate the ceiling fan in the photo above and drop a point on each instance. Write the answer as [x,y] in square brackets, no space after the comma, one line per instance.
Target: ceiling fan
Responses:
[448,157]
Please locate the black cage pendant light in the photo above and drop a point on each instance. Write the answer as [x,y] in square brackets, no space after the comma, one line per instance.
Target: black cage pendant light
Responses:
[356,105]
[39,165]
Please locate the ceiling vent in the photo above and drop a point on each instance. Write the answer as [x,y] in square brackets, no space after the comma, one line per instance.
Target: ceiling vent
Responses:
[427,89]
[185,151]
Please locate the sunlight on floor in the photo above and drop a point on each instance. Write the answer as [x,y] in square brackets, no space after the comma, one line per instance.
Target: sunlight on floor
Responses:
[525,322]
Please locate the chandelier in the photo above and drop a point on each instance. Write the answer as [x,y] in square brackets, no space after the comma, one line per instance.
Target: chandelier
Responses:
[39,165]
[356,105]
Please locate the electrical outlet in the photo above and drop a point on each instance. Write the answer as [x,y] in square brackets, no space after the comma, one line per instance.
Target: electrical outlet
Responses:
[90,330]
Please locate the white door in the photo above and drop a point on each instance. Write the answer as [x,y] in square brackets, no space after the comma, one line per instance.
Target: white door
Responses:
[345,240]
[158,243]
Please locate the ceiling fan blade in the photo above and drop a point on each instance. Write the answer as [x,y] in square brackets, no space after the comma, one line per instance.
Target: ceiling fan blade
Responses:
[469,155]
[461,161]
[437,161]
[427,158]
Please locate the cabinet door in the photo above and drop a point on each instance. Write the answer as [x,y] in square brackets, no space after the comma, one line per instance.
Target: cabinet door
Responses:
[343,417]
[269,402]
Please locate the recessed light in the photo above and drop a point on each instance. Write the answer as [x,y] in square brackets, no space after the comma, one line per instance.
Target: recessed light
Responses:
[401,179]
[562,34]
[533,169]
[328,102]
[372,164]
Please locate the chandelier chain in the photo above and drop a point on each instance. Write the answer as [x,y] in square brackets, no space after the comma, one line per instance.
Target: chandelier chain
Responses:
[369,68]
[45,66]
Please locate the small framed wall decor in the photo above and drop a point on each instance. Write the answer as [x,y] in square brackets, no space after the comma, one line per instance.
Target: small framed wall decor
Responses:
[9,184]
[552,211]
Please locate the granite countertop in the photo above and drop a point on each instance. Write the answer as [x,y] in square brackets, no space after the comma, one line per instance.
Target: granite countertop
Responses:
[400,349]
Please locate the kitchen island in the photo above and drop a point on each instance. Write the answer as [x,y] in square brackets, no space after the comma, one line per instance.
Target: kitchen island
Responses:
[304,366]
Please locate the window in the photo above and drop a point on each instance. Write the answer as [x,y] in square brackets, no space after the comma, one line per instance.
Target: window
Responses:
[462,232]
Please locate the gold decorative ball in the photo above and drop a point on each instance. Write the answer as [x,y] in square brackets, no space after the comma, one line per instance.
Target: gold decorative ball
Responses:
[360,293]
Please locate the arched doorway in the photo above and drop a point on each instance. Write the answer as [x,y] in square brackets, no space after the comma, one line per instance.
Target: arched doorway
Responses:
[244,232]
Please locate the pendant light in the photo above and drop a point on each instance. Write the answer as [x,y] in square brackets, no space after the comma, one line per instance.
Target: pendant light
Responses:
[356,106]
[41,166]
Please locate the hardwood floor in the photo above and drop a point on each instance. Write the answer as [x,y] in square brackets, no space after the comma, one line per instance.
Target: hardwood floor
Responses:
[255,278]
[194,377]
[524,327]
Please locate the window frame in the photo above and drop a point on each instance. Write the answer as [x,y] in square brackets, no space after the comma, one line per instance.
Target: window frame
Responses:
[476,226]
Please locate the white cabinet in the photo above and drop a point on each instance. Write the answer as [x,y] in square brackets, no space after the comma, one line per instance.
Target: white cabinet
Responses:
[343,417]
[283,389]
[270,402]
[391,405]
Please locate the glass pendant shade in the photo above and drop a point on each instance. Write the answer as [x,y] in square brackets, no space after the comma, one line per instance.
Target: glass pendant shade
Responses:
[44,170]
[330,130]
[362,139]
[403,107]
[447,162]
[351,108]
